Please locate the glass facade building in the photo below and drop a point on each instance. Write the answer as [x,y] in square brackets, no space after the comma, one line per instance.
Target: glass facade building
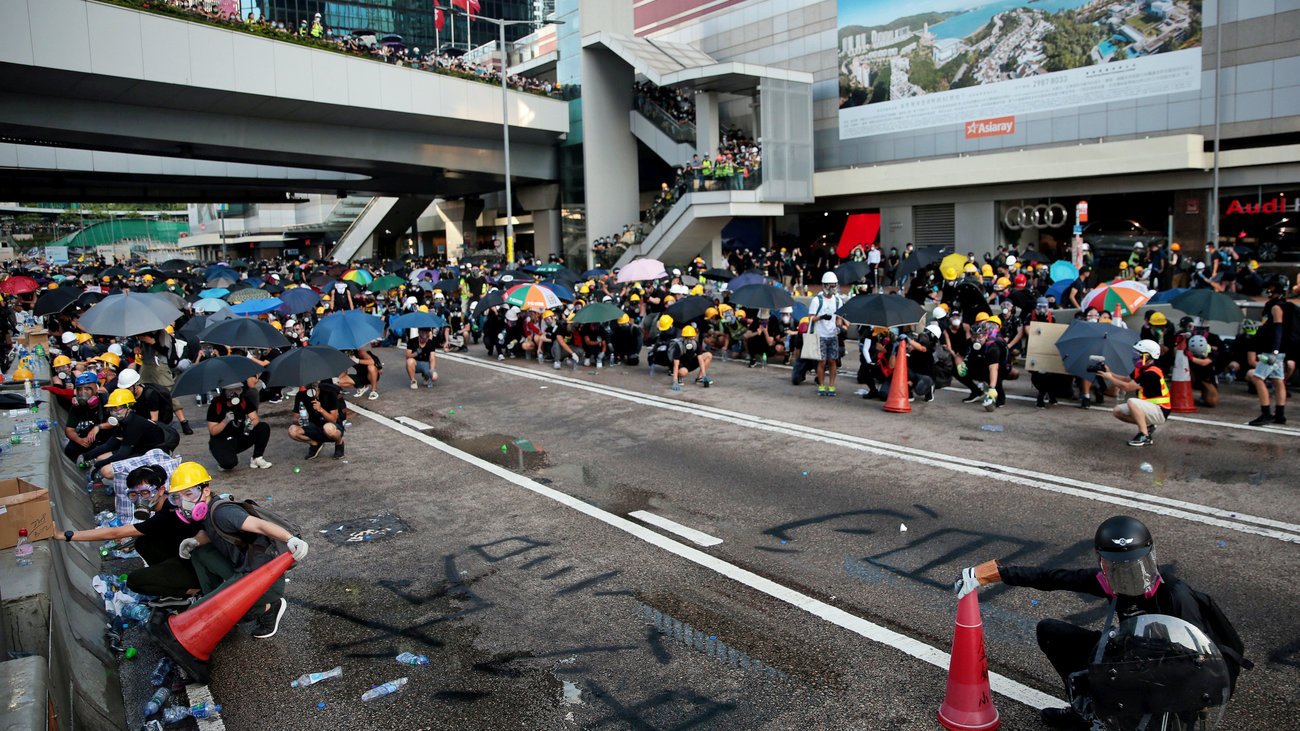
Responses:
[413,20]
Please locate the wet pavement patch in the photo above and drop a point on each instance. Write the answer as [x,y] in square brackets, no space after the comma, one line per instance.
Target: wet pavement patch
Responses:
[704,642]
[362,530]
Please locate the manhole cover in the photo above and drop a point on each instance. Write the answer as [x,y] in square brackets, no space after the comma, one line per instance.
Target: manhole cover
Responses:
[362,530]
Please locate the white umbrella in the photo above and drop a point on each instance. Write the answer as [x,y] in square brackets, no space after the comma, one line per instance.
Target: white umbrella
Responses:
[641,270]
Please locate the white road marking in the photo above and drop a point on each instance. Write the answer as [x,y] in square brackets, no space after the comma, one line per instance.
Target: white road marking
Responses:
[927,653]
[1208,515]
[690,534]
[413,423]
[202,694]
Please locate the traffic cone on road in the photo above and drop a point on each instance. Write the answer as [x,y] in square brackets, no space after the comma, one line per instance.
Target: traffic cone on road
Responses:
[968,704]
[189,637]
[1180,387]
[898,388]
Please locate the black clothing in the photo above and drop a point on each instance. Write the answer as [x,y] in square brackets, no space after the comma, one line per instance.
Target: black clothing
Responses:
[1150,382]
[166,530]
[132,437]
[421,352]
[239,434]
[154,398]
[331,399]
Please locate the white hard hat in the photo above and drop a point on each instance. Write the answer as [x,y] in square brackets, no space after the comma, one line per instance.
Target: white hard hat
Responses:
[1011,261]
[69,338]
[933,329]
[437,294]
[127,378]
[830,278]
[409,301]
[1147,346]
[115,349]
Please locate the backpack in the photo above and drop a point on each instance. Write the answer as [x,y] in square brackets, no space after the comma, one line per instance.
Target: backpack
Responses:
[165,414]
[269,547]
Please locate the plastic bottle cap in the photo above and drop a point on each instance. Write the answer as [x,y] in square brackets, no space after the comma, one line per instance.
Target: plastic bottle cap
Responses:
[130,653]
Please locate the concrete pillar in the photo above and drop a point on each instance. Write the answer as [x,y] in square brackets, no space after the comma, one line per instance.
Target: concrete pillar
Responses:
[452,214]
[546,233]
[714,257]
[706,123]
[608,148]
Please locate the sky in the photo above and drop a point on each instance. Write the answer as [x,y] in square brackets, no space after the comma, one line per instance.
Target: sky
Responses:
[880,12]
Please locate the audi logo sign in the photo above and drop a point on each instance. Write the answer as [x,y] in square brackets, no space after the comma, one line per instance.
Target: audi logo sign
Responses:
[1042,215]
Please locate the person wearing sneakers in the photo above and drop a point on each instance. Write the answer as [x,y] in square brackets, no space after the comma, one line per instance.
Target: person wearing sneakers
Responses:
[234,425]
[319,406]
[1150,408]
[826,328]
[368,368]
[685,356]
[232,543]
[1279,333]
[420,358]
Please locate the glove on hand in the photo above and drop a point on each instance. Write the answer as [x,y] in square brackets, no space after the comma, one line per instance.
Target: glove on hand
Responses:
[961,370]
[966,582]
[187,546]
[298,547]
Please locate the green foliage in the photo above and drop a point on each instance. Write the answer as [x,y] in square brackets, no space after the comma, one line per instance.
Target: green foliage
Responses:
[1070,44]
[880,86]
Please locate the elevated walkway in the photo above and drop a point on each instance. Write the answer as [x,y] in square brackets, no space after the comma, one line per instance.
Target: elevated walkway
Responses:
[694,222]
[382,213]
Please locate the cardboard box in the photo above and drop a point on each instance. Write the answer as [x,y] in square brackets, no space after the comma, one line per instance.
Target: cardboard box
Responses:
[32,338]
[24,505]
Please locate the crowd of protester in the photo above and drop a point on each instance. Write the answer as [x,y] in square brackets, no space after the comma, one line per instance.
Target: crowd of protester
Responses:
[677,104]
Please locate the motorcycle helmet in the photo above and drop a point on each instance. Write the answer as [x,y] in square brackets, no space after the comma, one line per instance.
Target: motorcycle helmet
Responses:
[1127,556]
[1198,346]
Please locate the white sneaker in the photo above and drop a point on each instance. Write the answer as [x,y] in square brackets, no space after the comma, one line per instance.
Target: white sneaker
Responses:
[414,385]
[557,365]
[260,463]
[501,356]
[374,395]
[361,392]
[586,362]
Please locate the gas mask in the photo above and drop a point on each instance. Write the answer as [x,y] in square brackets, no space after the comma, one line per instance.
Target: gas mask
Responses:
[190,505]
[142,499]
[311,392]
[118,415]
[690,345]
[232,397]
[956,321]
[87,397]
[830,290]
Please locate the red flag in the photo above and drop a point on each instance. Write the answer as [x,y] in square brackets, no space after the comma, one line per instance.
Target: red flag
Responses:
[469,6]
[438,21]
[859,230]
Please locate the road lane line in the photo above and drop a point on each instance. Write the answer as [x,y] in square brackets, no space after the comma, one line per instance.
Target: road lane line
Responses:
[413,423]
[1171,507]
[202,694]
[690,534]
[999,683]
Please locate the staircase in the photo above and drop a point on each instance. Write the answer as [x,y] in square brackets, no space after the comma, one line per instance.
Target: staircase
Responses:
[381,213]
[672,141]
[691,225]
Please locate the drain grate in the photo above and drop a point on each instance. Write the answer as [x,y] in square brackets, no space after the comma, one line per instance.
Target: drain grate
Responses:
[362,530]
[704,642]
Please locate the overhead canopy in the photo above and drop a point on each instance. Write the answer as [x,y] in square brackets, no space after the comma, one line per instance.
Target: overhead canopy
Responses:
[684,66]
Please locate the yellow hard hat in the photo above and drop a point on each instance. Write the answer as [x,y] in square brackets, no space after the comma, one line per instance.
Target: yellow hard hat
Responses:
[277,325]
[120,397]
[1254,264]
[665,323]
[187,475]
[170,330]
[111,359]
[1123,265]
[740,314]
[1158,319]
[981,316]
[970,269]
[995,320]
[625,319]
[986,270]
[1175,247]
[1002,283]
[23,374]
[669,299]
[697,289]
[171,281]
[689,331]
[148,277]
[53,285]
[62,360]
[634,298]
[320,310]
[548,313]
[106,279]
[422,308]
[724,309]
[711,313]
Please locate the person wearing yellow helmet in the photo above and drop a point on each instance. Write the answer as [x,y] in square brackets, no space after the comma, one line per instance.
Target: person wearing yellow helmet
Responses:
[986,365]
[132,434]
[61,372]
[684,356]
[625,341]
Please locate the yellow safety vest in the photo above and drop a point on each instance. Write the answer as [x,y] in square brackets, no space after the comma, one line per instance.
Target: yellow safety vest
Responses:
[1163,399]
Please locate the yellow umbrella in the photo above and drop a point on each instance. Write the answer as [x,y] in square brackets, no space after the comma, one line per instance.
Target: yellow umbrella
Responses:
[951,266]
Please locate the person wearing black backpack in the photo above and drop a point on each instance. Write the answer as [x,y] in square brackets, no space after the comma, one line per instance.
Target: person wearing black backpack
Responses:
[237,538]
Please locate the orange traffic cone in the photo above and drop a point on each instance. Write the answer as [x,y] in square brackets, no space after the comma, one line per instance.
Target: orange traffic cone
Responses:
[968,704]
[189,637]
[898,388]
[1180,388]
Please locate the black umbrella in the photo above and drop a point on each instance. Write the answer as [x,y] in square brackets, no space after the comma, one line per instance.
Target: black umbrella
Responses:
[243,332]
[273,288]
[114,272]
[852,271]
[1083,339]
[150,271]
[970,299]
[1204,303]
[300,366]
[922,258]
[723,275]
[322,280]
[56,300]
[881,310]
[176,265]
[86,299]
[515,276]
[1033,257]
[688,308]
[394,266]
[447,286]
[298,300]
[762,296]
[213,373]
[492,299]
[565,276]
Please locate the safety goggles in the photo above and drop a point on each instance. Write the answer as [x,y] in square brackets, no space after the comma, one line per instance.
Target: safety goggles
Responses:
[137,493]
[190,495]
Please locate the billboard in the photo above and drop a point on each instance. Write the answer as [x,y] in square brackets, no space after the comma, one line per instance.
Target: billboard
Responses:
[929,63]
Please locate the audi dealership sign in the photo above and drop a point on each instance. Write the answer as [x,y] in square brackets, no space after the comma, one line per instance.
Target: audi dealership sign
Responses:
[912,64]
[1042,215]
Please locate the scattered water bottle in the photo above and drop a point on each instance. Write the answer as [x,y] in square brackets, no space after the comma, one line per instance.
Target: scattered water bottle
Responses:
[137,612]
[380,691]
[155,703]
[176,714]
[407,658]
[313,678]
[1146,467]
[302,416]
[991,427]
[161,671]
[24,549]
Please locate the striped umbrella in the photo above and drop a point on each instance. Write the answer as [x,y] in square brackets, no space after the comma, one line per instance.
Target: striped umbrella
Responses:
[360,276]
[1107,297]
[244,295]
[532,297]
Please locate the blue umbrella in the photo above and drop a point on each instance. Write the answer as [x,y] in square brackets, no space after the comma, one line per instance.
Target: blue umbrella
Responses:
[217,293]
[798,312]
[593,273]
[1058,288]
[1063,271]
[257,306]
[746,280]
[347,330]
[1164,296]
[561,291]
[1083,339]
[416,320]
[216,271]
[210,305]
[298,299]
[255,281]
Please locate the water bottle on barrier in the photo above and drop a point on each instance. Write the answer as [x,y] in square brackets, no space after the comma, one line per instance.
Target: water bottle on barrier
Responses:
[313,678]
[137,612]
[380,691]
[155,703]
[24,549]
[407,658]
[160,672]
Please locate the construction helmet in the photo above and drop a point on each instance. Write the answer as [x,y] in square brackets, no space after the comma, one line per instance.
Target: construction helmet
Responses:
[23,374]
[53,285]
[981,317]
[120,397]
[710,313]
[741,314]
[277,325]
[1147,347]
[830,278]
[986,270]
[61,361]
[625,319]
[689,331]
[970,269]
[111,359]
[724,309]
[87,379]
[665,323]
[995,320]
[1002,283]
[187,475]
[1198,346]
[148,277]
[548,313]
[1020,281]
[1175,247]
[634,298]
[1158,319]
[1123,265]
[697,289]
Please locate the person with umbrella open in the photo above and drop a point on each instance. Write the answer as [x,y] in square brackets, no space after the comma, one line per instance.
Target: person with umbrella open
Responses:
[1151,407]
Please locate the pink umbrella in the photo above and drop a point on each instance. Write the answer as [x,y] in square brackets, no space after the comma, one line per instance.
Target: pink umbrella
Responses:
[641,270]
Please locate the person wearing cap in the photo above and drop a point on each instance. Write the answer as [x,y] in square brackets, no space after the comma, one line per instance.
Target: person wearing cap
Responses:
[625,340]
[132,434]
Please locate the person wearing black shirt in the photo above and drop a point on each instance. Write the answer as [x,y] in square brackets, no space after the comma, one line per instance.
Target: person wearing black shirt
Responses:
[420,356]
[1151,407]
[132,436]
[151,401]
[985,367]
[1277,333]
[87,425]
[234,425]
[319,409]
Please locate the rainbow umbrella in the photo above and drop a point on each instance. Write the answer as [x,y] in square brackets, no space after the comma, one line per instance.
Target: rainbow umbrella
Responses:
[1106,298]
[532,297]
[360,276]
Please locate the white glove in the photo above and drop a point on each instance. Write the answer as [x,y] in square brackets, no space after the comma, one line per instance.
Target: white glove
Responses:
[188,545]
[966,583]
[298,547]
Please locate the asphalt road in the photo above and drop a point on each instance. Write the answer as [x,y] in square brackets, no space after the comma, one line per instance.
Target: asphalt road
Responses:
[541,610]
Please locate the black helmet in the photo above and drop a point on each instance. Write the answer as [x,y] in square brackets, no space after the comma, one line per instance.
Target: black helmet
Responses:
[1127,555]
[1275,284]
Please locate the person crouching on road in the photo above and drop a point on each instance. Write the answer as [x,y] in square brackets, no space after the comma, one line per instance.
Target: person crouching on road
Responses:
[420,357]
[1150,408]
[234,425]
[986,366]
[684,353]
[232,543]
[319,408]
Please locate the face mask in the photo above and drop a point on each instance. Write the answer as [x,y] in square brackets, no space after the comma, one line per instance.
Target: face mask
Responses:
[690,346]
[234,400]
[977,345]
[311,393]
[190,512]
[144,502]
[956,322]
[1093,318]
[90,400]
[785,318]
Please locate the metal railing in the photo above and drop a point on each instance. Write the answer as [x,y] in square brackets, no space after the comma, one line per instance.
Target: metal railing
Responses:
[679,131]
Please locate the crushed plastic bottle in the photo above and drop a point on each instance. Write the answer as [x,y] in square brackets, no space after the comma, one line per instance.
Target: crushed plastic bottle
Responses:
[992,427]
[1146,467]
[176,714]
[407,658]
[380,691]
[155,703]
[138,613]
[313,678]
[161,671]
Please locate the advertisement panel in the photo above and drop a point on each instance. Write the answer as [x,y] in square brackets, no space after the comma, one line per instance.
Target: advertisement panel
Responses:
[927,63]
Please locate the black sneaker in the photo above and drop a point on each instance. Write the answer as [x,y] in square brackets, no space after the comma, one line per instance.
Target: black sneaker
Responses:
[973,398]
[1062,718]
[314,450]
[338,450]
[1085,403]
[1261,420]
[1279,419]
[1140,440]
[172,602]
[268,622]
[185,427]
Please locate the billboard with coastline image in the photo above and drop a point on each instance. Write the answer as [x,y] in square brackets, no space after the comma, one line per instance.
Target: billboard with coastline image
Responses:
[927,63]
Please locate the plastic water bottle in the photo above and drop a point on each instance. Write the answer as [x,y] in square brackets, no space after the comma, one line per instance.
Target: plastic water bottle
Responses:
[137,612]
[380,691]
[407,658]
[313,678]
[160,671]
[176,714]
[24,549]
[155,703]
[302,416]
